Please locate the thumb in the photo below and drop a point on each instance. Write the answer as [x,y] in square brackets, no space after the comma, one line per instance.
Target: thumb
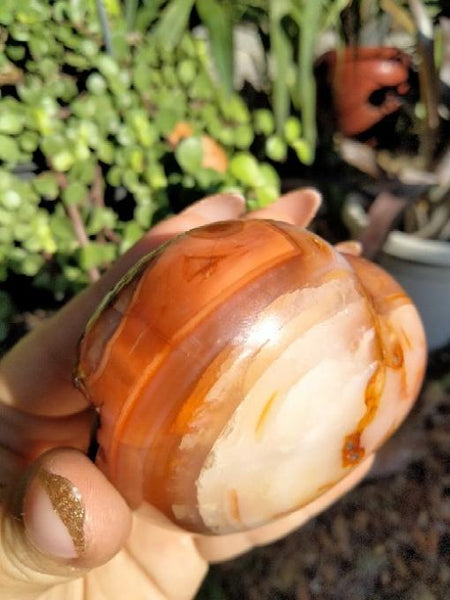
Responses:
[66,520]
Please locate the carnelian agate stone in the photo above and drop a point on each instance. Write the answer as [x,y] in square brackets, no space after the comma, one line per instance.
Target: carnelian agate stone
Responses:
[243,369]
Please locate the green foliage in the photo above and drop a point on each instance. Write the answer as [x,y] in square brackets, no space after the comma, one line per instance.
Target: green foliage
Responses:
[90,95]
[293,27]
[87,161]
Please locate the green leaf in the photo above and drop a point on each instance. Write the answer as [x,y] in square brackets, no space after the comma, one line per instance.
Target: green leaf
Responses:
[304,151]
[63,232]
[75,193]
[78,61]
[246,169]
[131,8]
[282,59]
[96,84]
[31,264]
[100,218]
[207,178]
[165,120]
[292,129]
[121,46]
[11,121]
[15,53]
[225,135]
[52,144]
[11,199]
[155,176]
[40,238]
[7,12]
[95,255]
[243,136]
[173,21]
[142,77]
[265,195]
[106,152]
[186,71]
[147,14]
[63,160]
[135,159]
[217,19]
[271,178]
[209,114]
[202,87]
[38,46]
[306,85]
[29,141]
[72,273]
[142,127]
[88,47]
[263,121]
[276,148]
[143,213]
[114,176]
[19,32]
[126,136]
[130,180]
[131,234]
[189,154]
[83,171]
[6,221]
[169,76]
[9,150]
[107,66]
[234,109]
[46,185]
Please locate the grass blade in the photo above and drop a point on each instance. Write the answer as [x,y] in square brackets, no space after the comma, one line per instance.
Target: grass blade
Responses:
[173,22]
[217,20]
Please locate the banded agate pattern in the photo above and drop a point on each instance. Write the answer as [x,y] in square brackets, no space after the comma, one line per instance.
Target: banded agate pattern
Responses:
[244,369]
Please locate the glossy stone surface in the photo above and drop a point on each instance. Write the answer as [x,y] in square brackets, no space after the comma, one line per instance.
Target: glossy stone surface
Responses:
[245,368]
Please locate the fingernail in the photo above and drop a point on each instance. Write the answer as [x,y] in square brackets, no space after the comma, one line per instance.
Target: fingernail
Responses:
[301,205]
[54,516]
[220,207]
[352,247]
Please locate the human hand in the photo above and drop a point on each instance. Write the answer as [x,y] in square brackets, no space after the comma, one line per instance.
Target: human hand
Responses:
[66,533]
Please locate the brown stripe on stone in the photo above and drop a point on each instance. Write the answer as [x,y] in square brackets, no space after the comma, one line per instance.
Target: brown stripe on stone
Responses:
[234,505]
[264,414]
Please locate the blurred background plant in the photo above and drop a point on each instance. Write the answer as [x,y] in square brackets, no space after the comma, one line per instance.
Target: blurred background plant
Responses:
[114,114]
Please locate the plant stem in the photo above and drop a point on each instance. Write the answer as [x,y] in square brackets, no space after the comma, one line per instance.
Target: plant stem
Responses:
[382,214]
[428,78]
[78,226]
[103,18]
[97,196]
[306,85]
[130,13]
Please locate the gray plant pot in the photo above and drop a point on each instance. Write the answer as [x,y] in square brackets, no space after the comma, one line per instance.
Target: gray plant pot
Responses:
[422,267]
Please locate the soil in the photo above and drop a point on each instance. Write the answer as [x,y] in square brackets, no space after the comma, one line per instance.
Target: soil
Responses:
[389,539]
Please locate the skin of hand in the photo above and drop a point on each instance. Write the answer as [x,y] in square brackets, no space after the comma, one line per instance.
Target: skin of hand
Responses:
[66,533]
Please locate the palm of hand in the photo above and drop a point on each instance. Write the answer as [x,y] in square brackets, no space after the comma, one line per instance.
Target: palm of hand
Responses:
[42,411]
